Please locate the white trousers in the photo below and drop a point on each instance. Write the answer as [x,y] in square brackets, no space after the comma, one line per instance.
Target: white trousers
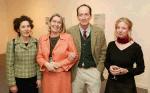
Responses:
[87,80]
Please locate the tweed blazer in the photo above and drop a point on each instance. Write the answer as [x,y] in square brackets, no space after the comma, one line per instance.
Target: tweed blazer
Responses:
[98,46]
[21,60]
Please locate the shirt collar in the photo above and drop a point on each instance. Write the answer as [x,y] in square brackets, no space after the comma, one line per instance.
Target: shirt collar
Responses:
[18,40]
[88,29]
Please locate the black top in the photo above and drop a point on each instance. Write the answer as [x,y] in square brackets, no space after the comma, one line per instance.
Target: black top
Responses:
[26,44]
[53,42]
[124,58]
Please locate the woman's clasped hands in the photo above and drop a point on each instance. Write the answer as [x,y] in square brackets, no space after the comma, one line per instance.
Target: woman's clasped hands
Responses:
[116,70]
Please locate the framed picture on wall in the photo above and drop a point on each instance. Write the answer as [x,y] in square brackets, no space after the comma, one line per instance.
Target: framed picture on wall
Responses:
[99,20]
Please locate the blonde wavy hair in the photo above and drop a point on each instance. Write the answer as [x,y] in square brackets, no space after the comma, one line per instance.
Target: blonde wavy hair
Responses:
[126,21]
[63,27]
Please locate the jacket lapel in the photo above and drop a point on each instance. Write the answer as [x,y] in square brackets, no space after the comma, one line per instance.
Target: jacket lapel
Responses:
[20,42]
[46,42]
[32,42]
[77,38]
[93,38]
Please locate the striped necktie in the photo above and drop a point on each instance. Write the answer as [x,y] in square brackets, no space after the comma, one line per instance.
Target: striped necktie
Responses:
[84,34]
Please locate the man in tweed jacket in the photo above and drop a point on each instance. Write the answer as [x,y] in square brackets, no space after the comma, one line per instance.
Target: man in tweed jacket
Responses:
[91,45]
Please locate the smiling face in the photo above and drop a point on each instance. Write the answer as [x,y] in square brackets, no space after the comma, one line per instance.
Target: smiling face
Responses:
[55,24]
[24,29]
[84,15]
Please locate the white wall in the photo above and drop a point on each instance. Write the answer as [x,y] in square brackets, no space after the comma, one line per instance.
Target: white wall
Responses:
[137,10]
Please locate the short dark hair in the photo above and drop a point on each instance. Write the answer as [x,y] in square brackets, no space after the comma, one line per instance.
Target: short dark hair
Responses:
[18,21]
[90,9]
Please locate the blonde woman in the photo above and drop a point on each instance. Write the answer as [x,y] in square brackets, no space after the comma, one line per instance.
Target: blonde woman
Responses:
[56,55]
[120,57]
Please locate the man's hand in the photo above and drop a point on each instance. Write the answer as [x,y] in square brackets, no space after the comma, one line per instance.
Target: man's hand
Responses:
[71,56]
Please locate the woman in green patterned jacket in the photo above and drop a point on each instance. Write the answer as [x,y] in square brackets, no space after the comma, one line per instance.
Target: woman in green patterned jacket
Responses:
[23,73]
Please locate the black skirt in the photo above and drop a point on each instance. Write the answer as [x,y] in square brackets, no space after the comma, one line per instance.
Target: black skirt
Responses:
[26,85]
[120,86]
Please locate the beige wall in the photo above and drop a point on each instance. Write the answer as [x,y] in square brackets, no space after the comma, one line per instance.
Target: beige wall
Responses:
[36,9]
[137,10]
[3,26]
